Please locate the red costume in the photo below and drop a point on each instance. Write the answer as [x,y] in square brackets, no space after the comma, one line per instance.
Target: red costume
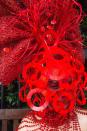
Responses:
[42,40]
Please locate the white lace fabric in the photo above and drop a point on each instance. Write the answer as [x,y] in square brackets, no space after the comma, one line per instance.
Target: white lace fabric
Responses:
[82,118]
[78,124]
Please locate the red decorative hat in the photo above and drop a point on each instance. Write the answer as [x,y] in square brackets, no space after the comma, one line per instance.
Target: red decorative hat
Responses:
[41,39]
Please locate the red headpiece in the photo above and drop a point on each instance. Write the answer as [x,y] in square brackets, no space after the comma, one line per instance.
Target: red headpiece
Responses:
[41,39]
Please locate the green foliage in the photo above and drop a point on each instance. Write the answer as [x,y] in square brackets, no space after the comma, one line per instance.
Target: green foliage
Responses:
[84,30]
[11,96]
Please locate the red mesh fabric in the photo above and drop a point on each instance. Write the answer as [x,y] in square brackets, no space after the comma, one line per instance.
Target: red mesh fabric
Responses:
[23,24]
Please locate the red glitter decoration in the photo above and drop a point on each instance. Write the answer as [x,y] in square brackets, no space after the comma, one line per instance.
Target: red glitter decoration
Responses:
[41,39]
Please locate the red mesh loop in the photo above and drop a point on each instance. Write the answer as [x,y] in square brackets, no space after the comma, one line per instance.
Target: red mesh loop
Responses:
[31,105]
[23,93]
[81,94]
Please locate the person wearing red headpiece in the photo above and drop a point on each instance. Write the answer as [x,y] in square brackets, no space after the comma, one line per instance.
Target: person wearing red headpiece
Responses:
[41,40]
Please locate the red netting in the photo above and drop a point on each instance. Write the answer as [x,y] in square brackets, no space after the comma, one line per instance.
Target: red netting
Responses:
[25,23]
